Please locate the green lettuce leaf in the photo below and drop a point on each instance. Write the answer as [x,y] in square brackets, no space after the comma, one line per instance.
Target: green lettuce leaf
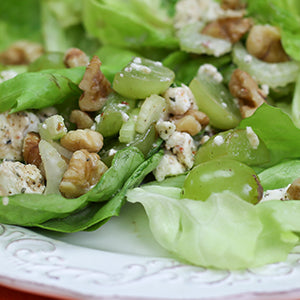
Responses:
[62,28]
[35,90]
[19,20]
[280,175]
[33,209]
[278,132]
[130,24]
[223,232]
[96,214]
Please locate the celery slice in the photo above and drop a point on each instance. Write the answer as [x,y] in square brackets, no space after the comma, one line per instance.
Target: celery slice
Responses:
[54,165]
[272,74]
[151,111]
[192,40]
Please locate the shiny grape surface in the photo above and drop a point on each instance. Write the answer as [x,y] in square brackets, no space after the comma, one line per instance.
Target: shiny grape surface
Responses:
[218,175]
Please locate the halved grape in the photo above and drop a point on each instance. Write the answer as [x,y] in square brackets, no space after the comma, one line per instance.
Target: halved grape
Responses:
[192,40]
[142,78]
[239,144]
[114,114]
[214,99]
[218,175]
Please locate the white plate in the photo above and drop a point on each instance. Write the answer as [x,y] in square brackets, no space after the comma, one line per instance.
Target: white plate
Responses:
[122,261]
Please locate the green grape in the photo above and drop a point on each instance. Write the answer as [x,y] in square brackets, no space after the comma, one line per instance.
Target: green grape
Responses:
[113,115]
[239,144]
[218,175]
[214,99]
[142,78]
[49,60]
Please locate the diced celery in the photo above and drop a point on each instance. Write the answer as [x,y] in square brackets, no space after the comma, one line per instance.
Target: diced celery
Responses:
[150,112]
[214,99]
[127,131]
[54,166]
[142,78]
[53,128]
[192,40]
[272,74]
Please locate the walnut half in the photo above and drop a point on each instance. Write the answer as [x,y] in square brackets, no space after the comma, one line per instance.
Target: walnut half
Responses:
[84,171]
[95,87]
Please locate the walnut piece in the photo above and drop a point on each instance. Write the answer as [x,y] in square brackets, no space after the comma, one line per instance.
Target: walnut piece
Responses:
[87,139]
[20,53]
[264,42]
[232,4]
[293,192]
[230,29]
[81,119]
[75,57]
[246,90]
[31,153]
[95,87]
[191,122]
[84,171]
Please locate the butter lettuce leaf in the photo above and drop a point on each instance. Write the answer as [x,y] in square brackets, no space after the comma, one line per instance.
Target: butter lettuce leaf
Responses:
[224,232]
[131,24]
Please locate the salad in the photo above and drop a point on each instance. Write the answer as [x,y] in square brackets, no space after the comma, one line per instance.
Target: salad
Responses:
[189,107]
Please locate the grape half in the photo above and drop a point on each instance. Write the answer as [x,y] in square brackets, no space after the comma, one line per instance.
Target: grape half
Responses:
[142,78]
[218,175]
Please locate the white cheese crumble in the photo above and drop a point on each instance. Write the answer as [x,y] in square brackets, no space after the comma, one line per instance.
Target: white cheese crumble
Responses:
[252,137]
[218,140]
[165,129]
[211,71]
[183,146]
[191,11]
[17,178]
[168,166]
[179,99]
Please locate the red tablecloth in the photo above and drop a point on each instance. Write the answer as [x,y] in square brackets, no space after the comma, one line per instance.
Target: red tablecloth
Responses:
[10,294]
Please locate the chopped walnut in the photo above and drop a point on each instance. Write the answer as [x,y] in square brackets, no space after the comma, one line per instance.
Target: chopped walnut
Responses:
[75,57]
[293,192]
[84,172]
[200,116]
[81,119]
[246,90]
[191,122]
[88,139]
[187,124]
[20,53]
[264,42]
[31,153]
[95,87]
[232,4]
[230,29]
